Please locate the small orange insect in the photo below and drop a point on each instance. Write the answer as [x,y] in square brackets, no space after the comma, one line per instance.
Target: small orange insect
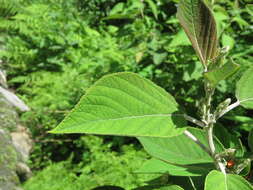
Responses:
[230,164]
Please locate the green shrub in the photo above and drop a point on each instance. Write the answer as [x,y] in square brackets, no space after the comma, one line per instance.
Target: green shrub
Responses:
[100,166]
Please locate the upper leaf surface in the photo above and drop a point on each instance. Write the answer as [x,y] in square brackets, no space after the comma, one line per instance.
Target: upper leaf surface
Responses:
[244,89]
[179,149]
[124,104]
[218,181]
[199,25]
[159,167]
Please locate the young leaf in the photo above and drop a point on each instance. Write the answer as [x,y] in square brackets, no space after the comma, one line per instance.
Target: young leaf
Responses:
[179,149]
[244,90]
[124,104]
[218,181]
[156,166]
[199,25]
[219,74]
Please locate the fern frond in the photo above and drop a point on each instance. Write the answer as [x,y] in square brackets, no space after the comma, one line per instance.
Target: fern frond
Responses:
[8,8]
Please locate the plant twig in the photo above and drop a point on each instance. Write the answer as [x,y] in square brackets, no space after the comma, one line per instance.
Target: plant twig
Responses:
[193,120]
[209,119]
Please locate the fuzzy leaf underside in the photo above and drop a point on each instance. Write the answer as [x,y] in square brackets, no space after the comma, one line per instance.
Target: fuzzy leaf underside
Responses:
[124,104]
[199,25]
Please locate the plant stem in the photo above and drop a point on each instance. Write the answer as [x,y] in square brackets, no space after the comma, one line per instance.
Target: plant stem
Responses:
[208,116]
[209,120]
[210,139]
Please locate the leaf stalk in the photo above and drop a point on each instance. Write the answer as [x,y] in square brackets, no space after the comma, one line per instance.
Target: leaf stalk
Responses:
[229,108]
[193,138]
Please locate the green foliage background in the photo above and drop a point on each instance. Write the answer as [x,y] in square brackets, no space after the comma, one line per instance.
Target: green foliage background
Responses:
[54,50]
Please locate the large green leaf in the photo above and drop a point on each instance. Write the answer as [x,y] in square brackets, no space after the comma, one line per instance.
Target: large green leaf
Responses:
[124,104]
[156,166]
[179,149]
[218,181]
[199,25]
[244,89]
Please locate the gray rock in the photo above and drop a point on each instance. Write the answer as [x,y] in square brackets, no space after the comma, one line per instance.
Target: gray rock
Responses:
[22,142]
[13,99]
[8,115]
[23,145]
[3,81]
[8,160]
[15,146]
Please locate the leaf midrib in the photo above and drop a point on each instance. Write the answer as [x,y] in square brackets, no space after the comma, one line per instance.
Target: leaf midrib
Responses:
[245,100]
[129,117]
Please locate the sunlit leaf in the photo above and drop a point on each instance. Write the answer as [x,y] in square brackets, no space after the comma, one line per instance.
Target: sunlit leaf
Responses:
[124,104]
[244,89]
[156,166]
[179,149]
[219,181]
